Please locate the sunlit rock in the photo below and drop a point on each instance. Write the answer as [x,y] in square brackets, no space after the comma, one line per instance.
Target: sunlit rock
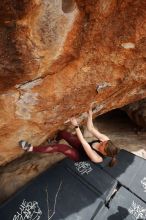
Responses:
[57,57]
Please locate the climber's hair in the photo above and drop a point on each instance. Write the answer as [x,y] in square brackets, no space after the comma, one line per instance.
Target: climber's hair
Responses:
[111,151]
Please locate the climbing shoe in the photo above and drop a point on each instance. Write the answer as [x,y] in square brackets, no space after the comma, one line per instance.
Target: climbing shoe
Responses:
[24,145]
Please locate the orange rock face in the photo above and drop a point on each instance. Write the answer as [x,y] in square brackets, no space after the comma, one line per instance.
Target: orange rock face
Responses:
[53,56]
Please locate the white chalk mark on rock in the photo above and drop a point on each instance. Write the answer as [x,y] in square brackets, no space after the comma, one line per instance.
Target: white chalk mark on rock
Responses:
[102,86]
[128,45]
[29,85]
[24,105]
[27,99]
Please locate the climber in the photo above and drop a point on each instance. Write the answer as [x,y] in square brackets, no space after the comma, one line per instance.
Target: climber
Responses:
[81,149]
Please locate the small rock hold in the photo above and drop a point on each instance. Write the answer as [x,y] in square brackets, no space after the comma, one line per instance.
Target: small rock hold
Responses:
[102,86]
[128,45]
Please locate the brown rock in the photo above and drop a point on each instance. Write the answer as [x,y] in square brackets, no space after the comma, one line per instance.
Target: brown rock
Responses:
[24,169]
[137,112]
[53,55]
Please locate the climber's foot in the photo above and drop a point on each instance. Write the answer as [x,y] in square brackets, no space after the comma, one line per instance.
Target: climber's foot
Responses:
[25,145]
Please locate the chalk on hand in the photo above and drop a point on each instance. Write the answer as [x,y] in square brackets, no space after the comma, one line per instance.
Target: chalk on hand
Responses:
[67,121]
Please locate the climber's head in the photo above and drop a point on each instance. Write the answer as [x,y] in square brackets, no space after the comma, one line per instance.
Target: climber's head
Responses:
[108,148]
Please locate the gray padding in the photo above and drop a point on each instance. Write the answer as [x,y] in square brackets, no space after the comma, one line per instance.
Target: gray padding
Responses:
[130,171]
[67,198]
[102,213]
[92,175]
[127,206]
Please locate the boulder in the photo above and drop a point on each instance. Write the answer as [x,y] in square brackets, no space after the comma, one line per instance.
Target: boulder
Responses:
[137,112]
[59,56]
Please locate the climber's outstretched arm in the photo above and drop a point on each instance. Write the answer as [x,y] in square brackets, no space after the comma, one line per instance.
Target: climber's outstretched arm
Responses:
[93,130]
[91,154]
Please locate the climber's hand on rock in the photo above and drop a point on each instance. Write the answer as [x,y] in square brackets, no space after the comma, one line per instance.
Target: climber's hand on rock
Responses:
[92,106]
[73,121]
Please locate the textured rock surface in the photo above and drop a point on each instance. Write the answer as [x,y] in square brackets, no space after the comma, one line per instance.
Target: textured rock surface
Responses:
[137,112]
[24,169]
[54,53]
